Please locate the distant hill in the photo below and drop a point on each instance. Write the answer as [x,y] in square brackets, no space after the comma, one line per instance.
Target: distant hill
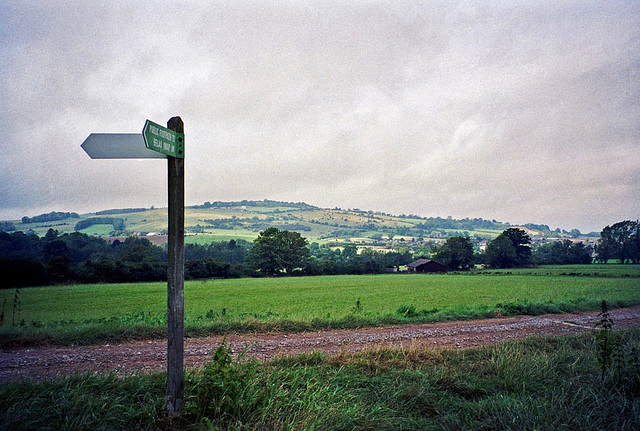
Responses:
[215,221]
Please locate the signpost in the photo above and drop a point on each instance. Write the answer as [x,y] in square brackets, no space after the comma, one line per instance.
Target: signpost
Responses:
[165,143]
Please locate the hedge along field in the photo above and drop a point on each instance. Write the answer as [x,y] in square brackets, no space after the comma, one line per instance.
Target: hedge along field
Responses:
[214,306]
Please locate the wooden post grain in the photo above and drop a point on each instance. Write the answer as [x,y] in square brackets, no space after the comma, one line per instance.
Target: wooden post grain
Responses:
[175,280]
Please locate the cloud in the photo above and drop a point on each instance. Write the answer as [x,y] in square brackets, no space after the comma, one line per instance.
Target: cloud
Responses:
[516,111]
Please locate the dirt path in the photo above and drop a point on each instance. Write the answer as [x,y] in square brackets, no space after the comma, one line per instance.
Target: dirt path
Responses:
[141,356]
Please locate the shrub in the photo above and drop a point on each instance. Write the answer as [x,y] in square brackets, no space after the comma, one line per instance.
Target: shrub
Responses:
[221,391]
[407,311]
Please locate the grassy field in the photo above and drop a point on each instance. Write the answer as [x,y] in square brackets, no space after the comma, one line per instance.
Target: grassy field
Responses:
[214,306]
[98,230]
[533,384]
[214,235]
[592,270]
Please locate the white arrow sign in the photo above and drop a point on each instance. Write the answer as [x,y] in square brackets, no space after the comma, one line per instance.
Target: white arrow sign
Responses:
[118,146]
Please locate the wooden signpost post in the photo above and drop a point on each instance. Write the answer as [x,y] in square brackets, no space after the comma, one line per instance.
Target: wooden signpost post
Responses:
[160,142]
[175,276]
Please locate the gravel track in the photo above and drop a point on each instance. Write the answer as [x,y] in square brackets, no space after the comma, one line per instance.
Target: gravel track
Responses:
[39,363]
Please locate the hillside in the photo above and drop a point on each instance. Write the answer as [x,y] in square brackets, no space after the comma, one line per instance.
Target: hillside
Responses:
[216,221]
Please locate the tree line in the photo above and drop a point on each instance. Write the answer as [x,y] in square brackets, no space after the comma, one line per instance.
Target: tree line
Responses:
[277,252]
[52,216]
[512,248]
[29,260]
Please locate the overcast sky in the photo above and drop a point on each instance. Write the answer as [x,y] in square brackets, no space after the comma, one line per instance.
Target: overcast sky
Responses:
[520,111]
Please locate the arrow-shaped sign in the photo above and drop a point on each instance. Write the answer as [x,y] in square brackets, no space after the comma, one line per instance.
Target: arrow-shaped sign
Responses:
[163,140]
[118,146]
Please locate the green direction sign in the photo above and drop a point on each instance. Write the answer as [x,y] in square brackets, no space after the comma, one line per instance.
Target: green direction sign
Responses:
[163,140]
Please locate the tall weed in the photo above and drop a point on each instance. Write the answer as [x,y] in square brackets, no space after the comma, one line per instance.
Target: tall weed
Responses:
[17,307]
[604,341]
[221,392]
[619,362]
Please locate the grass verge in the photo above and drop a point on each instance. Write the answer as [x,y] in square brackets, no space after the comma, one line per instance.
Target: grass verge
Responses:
[538,383]
[145,327]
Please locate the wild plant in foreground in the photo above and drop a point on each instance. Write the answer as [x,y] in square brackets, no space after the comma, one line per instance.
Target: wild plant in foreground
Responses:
[17,307]
[604,342]
[622,362]
[219,391]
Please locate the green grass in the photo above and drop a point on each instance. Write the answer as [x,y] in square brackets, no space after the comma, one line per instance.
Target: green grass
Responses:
[92,313]
[592,270]
[213,235]
[98,230]
[538,383]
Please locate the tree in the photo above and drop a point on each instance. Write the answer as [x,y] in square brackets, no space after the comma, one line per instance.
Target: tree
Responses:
[276,251]
[456,253]
[579,253]
[562,253]
[520,241]
[51,235]
[621,241]
[509,249]
[349,252]
[58,259]
[501,253]
[604,251]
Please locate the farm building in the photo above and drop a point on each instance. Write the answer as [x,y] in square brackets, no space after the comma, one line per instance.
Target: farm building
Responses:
[426,265]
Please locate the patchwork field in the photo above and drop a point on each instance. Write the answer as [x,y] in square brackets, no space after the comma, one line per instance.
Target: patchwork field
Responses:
[244,220]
